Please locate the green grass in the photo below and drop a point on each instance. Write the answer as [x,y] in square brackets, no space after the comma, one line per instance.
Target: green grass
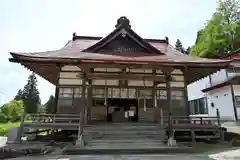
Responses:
[4,127]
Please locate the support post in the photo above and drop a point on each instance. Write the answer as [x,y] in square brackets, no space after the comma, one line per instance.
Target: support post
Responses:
[218,116]
[57,90]
[193,136]
[89,100]
[83,115]
[185,76]
[80,140]
[84,100]
[171,140]
[154,99]
[219,125]
[21,128]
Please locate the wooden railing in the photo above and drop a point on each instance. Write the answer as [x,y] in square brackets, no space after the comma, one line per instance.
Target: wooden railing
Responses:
[200,120]
[192,124]
[52,118]
[192,120]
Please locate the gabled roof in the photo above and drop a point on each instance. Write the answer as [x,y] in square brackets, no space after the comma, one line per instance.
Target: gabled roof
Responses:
[123,29]
[159,53]
[81,43]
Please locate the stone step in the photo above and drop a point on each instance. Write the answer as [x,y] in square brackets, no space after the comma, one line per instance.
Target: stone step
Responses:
[125,137]
[120,132]
[124,145]
[123,127]
[141,141]
[125,149]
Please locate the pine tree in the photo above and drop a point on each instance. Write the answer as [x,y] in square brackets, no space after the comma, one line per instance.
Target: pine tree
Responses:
[50,105]
[188,51]
[30,95]
[179,47]
[19,95]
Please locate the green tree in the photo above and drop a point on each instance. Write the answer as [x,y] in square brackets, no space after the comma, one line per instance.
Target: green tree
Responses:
[50,105]
[179,46]
[12,111]
[30,95]
[187,51]
[220,36]
[19,95]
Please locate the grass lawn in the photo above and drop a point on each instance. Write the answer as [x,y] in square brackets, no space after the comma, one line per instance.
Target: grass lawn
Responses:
[4,127]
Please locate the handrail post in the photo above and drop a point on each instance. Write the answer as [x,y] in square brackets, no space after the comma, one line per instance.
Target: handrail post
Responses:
[162,120]
[219,124]
[21,128]
[218,116]
[80,130]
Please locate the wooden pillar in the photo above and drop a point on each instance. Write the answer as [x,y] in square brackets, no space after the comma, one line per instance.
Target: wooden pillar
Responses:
[57,90]
[171,140]
[169,102]
[154,99]
[188,110]
[89,100]
[80,129]
[21,128]
[84,99]
[138,103]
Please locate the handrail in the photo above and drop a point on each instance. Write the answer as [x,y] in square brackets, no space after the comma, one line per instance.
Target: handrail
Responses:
[192,120]
[53,118]
[57,114]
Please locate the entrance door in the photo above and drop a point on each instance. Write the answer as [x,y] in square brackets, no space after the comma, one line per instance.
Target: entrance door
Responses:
[122,109]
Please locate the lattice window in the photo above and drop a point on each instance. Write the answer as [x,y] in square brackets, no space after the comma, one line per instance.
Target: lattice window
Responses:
[98,92]
[65,92]
[161,94]
[132,93]
[145,93]
[115,93]
[177,95]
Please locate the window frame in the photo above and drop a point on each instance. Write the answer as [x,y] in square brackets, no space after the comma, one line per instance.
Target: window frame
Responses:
[198,107]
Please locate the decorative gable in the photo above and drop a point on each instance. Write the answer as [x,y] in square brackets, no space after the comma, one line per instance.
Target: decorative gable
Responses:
[123,40]
[121,44]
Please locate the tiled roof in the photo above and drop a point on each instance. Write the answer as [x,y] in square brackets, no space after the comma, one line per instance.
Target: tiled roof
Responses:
[81,44]
[67,53]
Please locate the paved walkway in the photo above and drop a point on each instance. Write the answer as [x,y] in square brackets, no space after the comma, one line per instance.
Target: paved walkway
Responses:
[120,157]
[233,154]
[3,141]
[232,127]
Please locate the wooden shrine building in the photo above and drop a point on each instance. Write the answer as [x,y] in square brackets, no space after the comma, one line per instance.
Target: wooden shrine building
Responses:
[119,77]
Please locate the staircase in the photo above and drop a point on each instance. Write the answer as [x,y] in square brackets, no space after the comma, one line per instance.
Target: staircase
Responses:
[124,138]
[123,132]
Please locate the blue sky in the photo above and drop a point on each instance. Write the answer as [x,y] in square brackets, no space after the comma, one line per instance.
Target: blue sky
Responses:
[41,25]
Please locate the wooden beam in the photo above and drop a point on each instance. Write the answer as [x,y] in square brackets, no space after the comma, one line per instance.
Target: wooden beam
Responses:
[125,77]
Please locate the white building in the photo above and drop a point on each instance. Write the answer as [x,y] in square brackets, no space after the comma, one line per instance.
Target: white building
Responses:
[220,90]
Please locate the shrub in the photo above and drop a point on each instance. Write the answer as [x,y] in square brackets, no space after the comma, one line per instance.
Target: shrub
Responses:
[3,118]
